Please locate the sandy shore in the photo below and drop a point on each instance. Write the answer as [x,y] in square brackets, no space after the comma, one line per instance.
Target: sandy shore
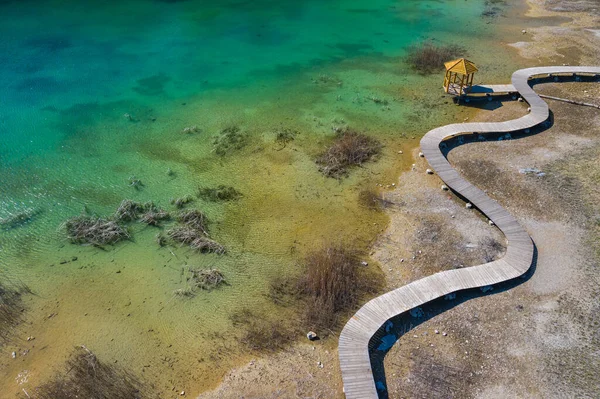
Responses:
[536,339]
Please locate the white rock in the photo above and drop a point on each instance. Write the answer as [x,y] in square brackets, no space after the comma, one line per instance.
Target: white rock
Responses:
[468,205]
[421,155]
[182,393]
[429,171]
[437,331]
[311,335]
[364,263]
[490,222]
[400,152]
[444,187]
[14,355]
[444,334]
[523,31]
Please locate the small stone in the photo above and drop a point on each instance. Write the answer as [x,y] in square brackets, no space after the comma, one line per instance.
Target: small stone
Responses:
[528,109]
[491,223]
[421,155]
[444,334]
[520,99]
[30,338]
[400,152]
[312,336]
[429,171]
[363,263]
[444,187]
[452,216]
[14,355]
[182,393]
[523,31]
[393,184]
[468,205]
[401,260]
[437,331]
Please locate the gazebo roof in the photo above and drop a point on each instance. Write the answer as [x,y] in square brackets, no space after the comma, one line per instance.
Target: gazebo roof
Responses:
[461,65]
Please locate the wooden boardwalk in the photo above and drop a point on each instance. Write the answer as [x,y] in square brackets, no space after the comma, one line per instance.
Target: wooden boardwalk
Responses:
[353,344]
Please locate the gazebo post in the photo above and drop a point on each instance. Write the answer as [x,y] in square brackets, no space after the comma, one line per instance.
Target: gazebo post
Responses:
[466,69]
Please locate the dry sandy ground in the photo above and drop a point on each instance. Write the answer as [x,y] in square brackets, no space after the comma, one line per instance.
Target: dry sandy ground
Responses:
[536,338]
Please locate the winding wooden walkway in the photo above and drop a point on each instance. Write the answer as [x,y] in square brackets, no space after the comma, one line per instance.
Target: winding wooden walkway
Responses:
[353,345]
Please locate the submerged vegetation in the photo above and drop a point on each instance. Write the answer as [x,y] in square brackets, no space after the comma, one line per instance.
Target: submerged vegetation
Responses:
[85,376]
[373,200]
[284,136]
[11,307]
[229,140]
[181,201]
[18,219]
[200,279]
[219,194]
[427,58]
[349,149]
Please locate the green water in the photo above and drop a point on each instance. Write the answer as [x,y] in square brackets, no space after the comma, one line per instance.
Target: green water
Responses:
[70,72]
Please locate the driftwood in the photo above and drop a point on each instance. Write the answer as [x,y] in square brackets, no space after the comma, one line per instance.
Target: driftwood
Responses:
[569,101]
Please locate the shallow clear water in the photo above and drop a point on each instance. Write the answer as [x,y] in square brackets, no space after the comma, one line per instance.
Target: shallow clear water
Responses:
[71,71]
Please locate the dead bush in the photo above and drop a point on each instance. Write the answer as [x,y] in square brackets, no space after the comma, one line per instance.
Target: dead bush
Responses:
[85,376]
[350,148]
[426,58]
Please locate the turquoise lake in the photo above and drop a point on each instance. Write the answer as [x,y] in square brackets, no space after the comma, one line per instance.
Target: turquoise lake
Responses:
[93,94]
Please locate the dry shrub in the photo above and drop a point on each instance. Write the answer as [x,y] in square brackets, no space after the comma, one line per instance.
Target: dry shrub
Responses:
[148,212]
[219,194]
[193,231]
[85,376]
[427,58]
[194,219]
[349,149]
[129,210]
[491,248]
[94,230]
[332,284]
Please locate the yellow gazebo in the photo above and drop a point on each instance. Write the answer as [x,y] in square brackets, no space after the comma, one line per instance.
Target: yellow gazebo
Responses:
[459,75]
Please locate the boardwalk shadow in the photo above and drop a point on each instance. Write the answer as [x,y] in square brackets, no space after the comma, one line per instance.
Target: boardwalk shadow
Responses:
[388,334]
